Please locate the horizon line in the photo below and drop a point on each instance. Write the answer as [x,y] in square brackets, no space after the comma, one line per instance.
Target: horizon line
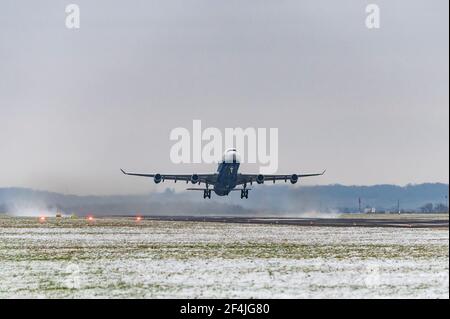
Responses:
[179,191]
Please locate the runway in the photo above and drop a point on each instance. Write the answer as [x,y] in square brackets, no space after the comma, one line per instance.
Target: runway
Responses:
[328,222]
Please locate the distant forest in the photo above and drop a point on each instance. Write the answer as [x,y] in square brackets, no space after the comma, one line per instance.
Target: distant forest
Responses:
[263,199]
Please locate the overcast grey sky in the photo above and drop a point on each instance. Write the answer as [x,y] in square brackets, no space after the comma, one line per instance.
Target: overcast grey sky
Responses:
[372,106]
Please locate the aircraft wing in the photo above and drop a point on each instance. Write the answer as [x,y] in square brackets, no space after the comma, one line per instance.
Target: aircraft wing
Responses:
[251,178]
[202,178]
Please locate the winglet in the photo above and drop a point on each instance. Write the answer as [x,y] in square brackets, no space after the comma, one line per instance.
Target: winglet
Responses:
[324,171]
[123,171]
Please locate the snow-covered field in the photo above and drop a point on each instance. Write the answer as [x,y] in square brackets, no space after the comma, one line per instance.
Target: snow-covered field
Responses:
[122,258]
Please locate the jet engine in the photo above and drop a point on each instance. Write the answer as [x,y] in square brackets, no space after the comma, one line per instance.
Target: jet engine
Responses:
[260,179]
[194,179]
[294,178]
[157,178]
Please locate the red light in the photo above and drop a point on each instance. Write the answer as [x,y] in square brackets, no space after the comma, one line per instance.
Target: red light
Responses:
[42,219]
[138,218]
[90,218]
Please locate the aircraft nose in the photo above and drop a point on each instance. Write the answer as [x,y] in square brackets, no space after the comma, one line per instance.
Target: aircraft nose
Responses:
[231,156]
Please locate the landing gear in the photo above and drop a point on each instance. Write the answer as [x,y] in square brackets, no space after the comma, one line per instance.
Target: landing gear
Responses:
[207,193]
[244,193]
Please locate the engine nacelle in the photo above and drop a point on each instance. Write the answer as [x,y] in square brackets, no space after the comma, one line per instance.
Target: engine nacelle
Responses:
[194,179]
[260,179]
[157,178]
[294,178]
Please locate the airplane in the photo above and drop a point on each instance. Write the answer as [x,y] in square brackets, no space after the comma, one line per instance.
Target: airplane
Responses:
[226,179]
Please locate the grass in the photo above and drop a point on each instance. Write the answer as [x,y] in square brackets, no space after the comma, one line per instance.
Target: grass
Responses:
[116,258]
